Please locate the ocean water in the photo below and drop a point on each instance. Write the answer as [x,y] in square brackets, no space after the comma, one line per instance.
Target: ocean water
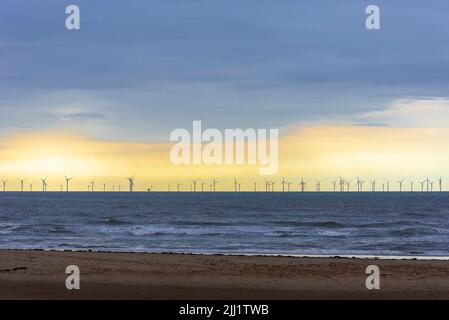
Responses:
[241,223]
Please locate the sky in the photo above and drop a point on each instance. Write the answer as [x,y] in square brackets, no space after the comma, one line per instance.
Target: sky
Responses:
[101,101]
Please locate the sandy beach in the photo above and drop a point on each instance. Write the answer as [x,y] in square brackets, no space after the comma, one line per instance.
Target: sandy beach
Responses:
[41,275]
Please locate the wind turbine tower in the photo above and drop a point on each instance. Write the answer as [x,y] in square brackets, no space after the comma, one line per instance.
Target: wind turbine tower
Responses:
[359,185]
[214,184]
[342,183]
[422,185]
[131,183]
[303,184]
[67,182]
[283,183]
[334,183]
[44,184]
[22,181]
[194,185]
[400,185]
[373,186]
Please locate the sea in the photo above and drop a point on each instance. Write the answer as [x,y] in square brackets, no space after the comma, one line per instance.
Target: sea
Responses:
[273,223]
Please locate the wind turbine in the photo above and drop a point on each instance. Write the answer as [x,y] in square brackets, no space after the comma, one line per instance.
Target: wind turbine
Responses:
[373,185]
[440,184]
[22,181]
[67,181]
[400,184]
[283,183]
[303,184]
[255,186]
[131,183]
[92,186]
[342,183]
[214,184]
[348,183]
[360,185]
[4,185]
[411,186]
[422,185]
[194,185]
[289,186]
[31,187]
[272,183]
[44,184]
[235,185]
[388,186]
[178,185]
[202,186]
[431,186]
[335,185]
[318,186]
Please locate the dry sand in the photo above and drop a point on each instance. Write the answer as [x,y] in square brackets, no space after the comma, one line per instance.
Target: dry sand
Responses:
[41,275]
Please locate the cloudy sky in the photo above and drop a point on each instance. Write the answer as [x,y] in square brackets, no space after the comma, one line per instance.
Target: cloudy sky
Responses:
[138,69]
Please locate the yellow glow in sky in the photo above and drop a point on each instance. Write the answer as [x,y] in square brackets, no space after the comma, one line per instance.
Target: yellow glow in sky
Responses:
[317,153]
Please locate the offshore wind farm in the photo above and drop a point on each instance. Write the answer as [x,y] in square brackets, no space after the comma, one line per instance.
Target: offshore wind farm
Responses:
[280,184]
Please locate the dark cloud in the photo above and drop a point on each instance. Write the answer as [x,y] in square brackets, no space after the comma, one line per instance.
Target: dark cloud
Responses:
[158,64]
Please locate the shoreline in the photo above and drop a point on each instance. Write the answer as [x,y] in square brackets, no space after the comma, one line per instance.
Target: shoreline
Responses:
[39,274]
[231,254]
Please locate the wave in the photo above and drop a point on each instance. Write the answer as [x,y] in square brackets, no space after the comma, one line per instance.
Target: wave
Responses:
[60,230]
[115,221]
[8,228]
[312,224]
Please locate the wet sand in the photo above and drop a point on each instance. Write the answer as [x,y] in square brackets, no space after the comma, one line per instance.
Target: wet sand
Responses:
[41,275]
